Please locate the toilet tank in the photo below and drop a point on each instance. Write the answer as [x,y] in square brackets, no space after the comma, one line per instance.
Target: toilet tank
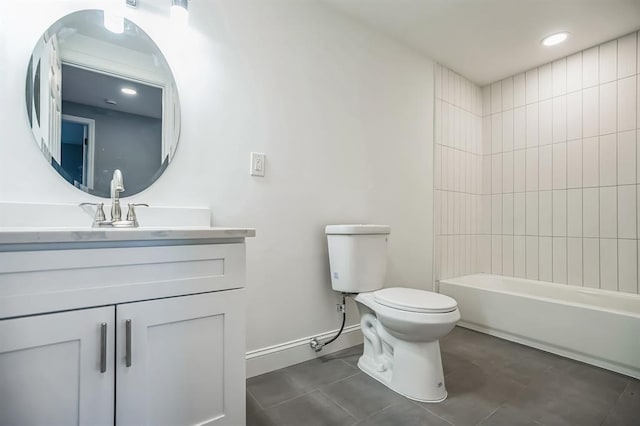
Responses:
[357,257]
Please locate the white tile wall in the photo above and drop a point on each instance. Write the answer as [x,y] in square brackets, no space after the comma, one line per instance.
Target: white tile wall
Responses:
[537,174]
[464,178]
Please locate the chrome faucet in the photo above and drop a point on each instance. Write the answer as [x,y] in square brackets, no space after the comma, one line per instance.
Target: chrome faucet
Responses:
[99,220]
[117,186]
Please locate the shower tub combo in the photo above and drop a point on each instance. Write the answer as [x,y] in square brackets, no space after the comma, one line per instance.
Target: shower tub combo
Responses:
[595,326]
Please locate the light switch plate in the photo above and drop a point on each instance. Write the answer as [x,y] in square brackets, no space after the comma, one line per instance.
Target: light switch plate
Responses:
[257,164]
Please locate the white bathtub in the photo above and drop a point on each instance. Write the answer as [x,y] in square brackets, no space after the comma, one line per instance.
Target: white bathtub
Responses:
[598,327]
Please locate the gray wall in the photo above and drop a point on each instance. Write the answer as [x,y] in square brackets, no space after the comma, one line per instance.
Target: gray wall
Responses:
[131,143]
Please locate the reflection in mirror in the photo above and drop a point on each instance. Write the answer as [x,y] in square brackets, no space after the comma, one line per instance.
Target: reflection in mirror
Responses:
[99,101]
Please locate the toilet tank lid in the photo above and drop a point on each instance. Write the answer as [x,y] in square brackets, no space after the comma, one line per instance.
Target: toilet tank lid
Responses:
[414,300]
[357,229]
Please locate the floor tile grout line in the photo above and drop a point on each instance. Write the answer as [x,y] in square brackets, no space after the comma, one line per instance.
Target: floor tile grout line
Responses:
[616,402]
[431,412]
[254,398]
[338,404]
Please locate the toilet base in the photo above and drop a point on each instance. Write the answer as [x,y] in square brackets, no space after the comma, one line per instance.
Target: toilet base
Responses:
[414,370]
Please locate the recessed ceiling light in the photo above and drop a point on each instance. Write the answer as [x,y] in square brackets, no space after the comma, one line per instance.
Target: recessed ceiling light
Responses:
[554,39]
[129,91]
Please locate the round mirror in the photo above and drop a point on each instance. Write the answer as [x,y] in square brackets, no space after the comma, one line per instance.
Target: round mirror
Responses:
[99,100]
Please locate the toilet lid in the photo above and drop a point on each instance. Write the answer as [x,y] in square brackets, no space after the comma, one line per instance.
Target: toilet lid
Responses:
[413,300]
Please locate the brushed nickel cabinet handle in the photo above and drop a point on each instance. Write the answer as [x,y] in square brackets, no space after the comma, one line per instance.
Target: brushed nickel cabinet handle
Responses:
[128,343]
[103,347]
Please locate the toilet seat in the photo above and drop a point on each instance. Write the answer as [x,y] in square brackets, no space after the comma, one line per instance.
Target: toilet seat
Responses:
[414,300]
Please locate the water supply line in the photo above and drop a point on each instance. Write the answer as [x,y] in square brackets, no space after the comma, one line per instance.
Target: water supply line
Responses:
[316,344]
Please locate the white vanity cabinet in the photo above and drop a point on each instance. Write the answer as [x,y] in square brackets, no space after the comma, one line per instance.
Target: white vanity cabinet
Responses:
[50,369]
[127,331]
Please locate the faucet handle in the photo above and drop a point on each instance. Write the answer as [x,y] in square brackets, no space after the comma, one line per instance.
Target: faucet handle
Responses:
[99,216]
[131,214]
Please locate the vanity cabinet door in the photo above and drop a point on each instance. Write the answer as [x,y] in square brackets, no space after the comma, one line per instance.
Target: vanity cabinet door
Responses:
[58,369]
[181,361]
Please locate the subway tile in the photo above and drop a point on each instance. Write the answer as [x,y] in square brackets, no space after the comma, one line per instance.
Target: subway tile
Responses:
[519,170]
[627,53]
[496,133]
[507,172]
[560,260]
[519,257]
[545,259]
[519,90]
[608,61]
[532,85]
[545,213]
[574,115]
[438,81]
[574,261]
[608,108]
[445,84]
[484,250]
[496,214]
[532,257]
[507,255]
[532,125]
[590,112]
[560,166]
[608,212]
[591,162]
[507,214]
[574,72]
[574,212]
[545,88]
[591,212]
[496,254]
[559,119]
[545,167]
[609,264]
[627,104]
[532,169]
[560,213]
[486,101]
[627,157]
[627,217]
[545,122]
[559,77]
[574,163]
[485,214]
[638,208]
[507,94]
[507,130]
[591,262]
[519,213]
[496,97]
[590,75]
[608,154]
[445,124]
[531,213]
[628,266]
[486,174]
[638,53]
[519,128]
[496,174]
[638,98]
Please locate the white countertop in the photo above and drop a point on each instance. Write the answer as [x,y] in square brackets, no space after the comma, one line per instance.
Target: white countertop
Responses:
[38,235]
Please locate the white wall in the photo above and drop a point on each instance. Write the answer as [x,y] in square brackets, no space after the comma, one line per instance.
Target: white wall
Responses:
[344,115]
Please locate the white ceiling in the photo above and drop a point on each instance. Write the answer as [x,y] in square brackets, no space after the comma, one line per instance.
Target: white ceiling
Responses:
[487,40]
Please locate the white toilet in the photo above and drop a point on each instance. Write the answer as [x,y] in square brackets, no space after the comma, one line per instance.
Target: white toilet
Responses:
[401,326]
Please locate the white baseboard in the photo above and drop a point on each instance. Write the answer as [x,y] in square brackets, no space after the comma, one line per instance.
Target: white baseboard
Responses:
[272,358]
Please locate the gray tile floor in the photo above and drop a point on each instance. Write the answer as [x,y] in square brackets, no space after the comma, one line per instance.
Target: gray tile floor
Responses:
[490,382]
